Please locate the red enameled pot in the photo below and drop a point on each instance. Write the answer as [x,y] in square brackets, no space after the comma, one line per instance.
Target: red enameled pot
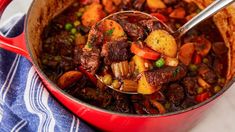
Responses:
[28,45]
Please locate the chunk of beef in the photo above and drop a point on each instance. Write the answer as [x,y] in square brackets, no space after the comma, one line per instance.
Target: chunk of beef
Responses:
[90,60]
[66,63]
[61,44]
[115,51]
[170,2]
[190,84]
[142,105]
[148,108]
[151,25]
[95,96]
[133,30]
[126,4]
[207,74]
[218,65]
[95,37]
[138,4]
[219,48]
[188,102]
[164,75]
[138,108]
[175,94]
[191,7]
[120,102]
[77,55]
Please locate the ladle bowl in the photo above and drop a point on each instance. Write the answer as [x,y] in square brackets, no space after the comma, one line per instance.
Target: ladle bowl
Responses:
[207,12]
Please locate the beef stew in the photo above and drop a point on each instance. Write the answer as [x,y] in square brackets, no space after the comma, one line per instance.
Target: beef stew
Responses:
[169,80]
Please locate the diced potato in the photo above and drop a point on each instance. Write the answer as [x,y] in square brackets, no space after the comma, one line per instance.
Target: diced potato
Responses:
[92,15]
[144,87]
[111,5]
[69,78]
[171,61]
[112,29]
[202,45]
[186,52]
[129,86]
[155,4]
[141,64]
[203,83]
[178,13]
[162,42]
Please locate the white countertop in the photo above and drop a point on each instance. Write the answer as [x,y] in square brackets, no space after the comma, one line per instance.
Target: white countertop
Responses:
[220,118]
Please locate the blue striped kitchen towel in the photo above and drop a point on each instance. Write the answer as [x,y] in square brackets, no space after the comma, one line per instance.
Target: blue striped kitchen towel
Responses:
[25,104]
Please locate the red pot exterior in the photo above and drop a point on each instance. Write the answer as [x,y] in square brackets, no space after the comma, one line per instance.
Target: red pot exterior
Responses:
[110,121]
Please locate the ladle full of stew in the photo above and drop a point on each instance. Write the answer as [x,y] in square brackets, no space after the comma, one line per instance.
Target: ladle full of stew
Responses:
[137,61]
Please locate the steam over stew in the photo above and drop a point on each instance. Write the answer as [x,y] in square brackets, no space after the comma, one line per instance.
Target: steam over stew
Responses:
[133,54]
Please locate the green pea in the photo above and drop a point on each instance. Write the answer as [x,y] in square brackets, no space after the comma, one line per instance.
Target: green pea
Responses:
[221,80]
[167,105]
[160,63]
[76,23]
[81,10]
[57,58]
[44,61]
[116,84]
[73,31]
[68,26]
[78,14]
[199,90]
[177,25]
[193,67]
[217,89]
[205,60]
[107,79]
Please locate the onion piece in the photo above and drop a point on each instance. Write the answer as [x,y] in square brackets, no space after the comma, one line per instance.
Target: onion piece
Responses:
[159,106]
[120,69]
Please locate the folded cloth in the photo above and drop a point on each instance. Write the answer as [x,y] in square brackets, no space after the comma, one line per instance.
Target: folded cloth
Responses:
[25,104]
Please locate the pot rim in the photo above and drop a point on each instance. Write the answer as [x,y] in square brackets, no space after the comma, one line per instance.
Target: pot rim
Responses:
[35,65]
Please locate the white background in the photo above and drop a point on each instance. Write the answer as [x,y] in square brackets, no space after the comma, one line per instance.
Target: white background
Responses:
[220,118]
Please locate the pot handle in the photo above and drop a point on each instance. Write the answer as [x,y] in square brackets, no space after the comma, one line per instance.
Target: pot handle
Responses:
[3,5]
[15,44]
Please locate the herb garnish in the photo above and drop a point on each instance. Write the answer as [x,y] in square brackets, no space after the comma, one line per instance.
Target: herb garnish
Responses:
[177,70]
[110,32]
[89,45]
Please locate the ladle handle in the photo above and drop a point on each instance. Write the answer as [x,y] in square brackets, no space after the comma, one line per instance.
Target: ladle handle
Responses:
[207,12]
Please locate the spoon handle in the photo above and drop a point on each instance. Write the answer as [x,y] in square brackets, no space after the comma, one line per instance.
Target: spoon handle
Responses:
[213,8]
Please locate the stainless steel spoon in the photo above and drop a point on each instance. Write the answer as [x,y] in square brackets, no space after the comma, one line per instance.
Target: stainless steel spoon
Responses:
[203,15]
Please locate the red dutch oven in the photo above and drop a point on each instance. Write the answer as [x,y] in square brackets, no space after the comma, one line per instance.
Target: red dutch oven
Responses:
[28,45]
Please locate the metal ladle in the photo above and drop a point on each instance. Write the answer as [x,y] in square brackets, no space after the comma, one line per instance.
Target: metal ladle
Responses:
[203,15]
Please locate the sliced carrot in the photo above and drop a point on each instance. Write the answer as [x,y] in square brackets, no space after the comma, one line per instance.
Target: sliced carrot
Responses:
[159,16]
[144,52]
[68,78]
[202,45]
[197,59]
[178,13]
[186,53]
[202,97]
